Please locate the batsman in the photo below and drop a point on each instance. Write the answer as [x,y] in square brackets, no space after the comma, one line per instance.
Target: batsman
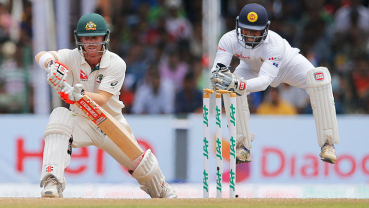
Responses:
[91,70]
[268,59]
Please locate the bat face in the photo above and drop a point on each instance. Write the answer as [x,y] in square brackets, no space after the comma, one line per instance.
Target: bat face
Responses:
[111,127]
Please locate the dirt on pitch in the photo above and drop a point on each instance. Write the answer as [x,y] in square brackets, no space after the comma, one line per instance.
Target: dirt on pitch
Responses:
[227,203]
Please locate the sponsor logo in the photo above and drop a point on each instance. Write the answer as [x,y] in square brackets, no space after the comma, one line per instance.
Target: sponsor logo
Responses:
[252,17]
[274,64]
[83,76]
[49,169]
[90,26]
[242,86]
[274,59]
[61,69]
[99,78]
[241,56]
[319,76]
[101,119]
[219,48]
[88,108]
[114,83]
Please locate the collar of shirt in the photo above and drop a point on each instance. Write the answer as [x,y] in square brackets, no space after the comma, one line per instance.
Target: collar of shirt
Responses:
[104,63]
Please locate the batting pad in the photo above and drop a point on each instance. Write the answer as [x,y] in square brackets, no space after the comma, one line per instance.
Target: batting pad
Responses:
[244,136]
[149,175]
[57,134]
[319,88]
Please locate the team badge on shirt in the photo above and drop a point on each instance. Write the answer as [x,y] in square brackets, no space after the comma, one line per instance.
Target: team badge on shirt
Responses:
[261,59]
[274,64]
[99,78]
[90,26]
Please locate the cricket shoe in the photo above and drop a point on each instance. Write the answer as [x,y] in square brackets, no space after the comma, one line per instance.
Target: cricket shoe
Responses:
[52,188]
[243,155]
[328,153]
[168,192]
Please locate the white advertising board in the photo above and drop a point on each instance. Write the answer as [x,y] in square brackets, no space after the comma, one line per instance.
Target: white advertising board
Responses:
[285,151]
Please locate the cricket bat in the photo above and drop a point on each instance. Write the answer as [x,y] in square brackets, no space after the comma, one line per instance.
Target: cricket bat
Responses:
[108,124]
[111,127]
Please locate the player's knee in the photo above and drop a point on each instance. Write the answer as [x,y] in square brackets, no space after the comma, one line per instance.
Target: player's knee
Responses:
[60,122]
[318,77]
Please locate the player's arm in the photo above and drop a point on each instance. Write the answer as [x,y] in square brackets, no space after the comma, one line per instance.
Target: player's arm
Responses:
[224,53]
[44,57]
[268,70]
[101,97]
[259,83]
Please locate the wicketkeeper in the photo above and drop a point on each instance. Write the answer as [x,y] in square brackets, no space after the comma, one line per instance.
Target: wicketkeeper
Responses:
[98,73]
[268,59]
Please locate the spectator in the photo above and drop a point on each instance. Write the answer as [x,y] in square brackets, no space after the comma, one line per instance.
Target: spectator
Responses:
[136,65]
[155,95]
[349,15]
[177,26]
[275,105]
[189,99]
[295,96]
[173,68]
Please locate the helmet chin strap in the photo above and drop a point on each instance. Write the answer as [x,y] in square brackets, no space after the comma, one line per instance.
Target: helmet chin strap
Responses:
[86,54]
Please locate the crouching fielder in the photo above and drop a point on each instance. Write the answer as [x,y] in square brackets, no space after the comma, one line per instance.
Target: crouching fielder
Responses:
[267,59]
[92,70]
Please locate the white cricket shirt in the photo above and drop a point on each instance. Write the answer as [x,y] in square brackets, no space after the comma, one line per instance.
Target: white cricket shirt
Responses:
[268,60]
[107,76]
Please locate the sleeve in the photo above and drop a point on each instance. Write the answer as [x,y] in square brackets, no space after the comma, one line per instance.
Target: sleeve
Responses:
[259,83]
[64,56]
[225,51]
[113,79]
[268,70]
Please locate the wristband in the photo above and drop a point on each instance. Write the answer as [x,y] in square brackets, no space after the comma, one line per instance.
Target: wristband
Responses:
[44,58]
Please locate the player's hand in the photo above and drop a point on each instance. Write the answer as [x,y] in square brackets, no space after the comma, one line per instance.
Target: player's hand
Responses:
[71,94]
[223,79]
[57,73]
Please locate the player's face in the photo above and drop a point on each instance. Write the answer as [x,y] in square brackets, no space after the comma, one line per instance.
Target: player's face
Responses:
[93,46]
[251,33]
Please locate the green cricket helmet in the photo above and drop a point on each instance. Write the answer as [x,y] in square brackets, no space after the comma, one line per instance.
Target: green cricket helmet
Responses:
[91,25]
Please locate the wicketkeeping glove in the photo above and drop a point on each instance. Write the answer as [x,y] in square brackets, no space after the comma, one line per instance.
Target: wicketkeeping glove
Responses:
[223,79]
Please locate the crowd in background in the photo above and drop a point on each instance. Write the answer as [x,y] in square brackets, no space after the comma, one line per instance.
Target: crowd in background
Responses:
[161,42]
[15,60]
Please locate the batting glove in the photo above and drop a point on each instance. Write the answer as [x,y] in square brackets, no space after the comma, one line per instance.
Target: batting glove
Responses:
[72,94]
[57,73]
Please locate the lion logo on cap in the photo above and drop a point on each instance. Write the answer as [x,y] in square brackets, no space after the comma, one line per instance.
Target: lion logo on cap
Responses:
[252,17]
[90,26]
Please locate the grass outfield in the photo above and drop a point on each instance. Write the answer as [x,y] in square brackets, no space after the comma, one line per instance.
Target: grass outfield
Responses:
[228,203]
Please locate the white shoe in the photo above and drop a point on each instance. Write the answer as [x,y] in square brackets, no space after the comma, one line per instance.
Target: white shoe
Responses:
[168,192]
[243,155]
[328,153]
[52,189]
